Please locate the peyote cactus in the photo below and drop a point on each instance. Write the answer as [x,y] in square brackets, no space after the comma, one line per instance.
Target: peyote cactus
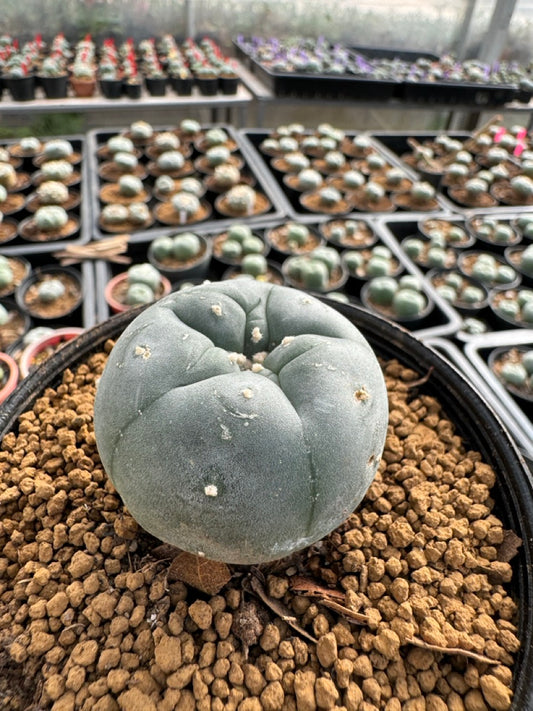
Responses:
[297,161]
[130,186]
[141,130]
[50,218]
[166,141]
[225,176]
[216,137]
[52,192]
[114,214]
[50,290]
[165,185]
[193,186]
[8,176]
[126,162]
[60,170]
[6,273]
[220,432]
[138,213]
[120,143]
[309,179]
[185,203]
[170,161]
[217,155]
[241,199]
[57,149]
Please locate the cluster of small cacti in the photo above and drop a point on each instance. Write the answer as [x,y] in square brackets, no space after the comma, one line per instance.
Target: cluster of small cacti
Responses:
[514,305]
[403,297]
[136,213]
[456,289]
[144,282]
[515,368]
[370,263]
[487,268]
[181,248]
[316,270]
[493,230]
[240,242]
[430,253]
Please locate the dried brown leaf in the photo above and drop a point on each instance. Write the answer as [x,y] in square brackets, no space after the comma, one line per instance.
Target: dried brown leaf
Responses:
[509,547]
[206,575]
[307,586]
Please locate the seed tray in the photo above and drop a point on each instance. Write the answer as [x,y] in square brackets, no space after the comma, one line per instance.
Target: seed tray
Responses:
[457,93]
[82,212]
[252,166]
[397,229]
[516,413]
[290,198]
[322,86]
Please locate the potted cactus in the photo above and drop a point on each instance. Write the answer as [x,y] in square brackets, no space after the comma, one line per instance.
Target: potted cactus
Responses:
[51,294]
[140,284]
[401,300]
[181,256]
[49,223]
[320,270]
[53,77]
[234,244]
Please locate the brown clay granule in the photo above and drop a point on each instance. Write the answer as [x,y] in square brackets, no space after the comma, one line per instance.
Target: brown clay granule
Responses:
[90,618]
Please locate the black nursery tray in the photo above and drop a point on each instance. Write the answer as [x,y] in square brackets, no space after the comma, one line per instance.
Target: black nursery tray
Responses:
[216,221]
[290,200]
[515,412]
[458,93]
[325,86]
[81,212]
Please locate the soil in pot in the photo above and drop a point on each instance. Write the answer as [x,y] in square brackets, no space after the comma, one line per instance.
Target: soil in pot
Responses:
[271,275]
[110,193]
[313,202]
[406,201]
[348,234]
[463,197]
[454,233]
[202,164]
[513,367]
[513,308]
[29,230]
[33,201]
[15,327]
[396,567]
[111,172]
[504,193]
[20,269]
[167,214]
[8,231]
[362,201]
[63,304]
[13,203]
[280,240]
[261,205]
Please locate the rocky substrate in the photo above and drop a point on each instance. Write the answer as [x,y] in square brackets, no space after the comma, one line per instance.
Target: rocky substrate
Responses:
[403,608]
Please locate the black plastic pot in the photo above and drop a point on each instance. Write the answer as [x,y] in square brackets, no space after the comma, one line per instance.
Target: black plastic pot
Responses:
[474,419]
[156,86]
[21,88]
[111,88]
[132,91]
[207,87]
[182,86]
[54,87]
[228,85]
[71,316]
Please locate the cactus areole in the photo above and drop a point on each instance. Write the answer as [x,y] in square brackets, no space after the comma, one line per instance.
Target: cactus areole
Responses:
[241,421]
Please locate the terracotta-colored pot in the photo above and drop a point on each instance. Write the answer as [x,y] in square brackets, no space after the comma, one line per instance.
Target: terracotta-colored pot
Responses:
[9,364]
